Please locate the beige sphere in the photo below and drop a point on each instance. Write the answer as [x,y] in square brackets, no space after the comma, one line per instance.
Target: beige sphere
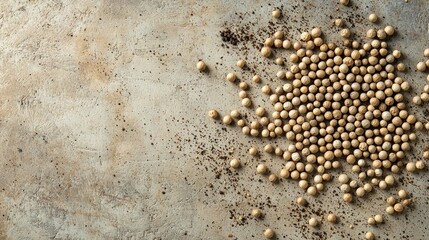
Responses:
[269,233]
[301,201]
[284,173]
[316,32]
[256,213]
[390,210]
[266,51]
[389,30]
[312,190]
[378,218]
[421,66]
[273,178]
[402,193]
[253,151]
[213,114]
[276,13]
[313,222]
[411,167]
[389,179]
[339,22]
[332,218]
[426,154]
[231,77]
[343,178]
[369,236]
[256,79]
[241,63]
[235,114]
[401,67]
[278,35]
[347,197]
[398,207]
[360,192]
[227,119]
[371,221]
[246,102]
[345,2]
[420,164]
[201,66]
[426,52]
[234,163]
[261,169]
[345,33]
[371,33]
[373,18]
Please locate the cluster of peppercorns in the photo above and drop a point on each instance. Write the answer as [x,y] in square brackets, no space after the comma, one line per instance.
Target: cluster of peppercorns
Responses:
[341,107]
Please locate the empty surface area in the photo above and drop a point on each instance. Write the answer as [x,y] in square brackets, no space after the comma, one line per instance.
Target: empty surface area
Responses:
[104,130]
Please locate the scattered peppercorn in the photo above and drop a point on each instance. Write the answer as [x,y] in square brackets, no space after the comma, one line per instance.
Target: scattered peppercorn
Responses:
[201,66]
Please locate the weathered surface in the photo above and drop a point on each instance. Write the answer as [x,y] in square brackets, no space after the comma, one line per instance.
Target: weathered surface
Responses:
[104,132]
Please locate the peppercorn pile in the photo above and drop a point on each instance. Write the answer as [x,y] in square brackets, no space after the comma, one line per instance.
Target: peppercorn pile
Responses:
[342,107]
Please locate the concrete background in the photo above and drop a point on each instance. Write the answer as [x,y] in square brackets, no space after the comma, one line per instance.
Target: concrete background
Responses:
[104,130]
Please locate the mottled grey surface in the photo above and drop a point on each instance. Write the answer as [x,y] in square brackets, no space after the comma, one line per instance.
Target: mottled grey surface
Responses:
[104,130]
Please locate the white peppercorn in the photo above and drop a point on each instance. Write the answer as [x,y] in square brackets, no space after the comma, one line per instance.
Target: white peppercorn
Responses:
[201,66]
[227,119]
[261,168]
[301,201]
[347,197]
[398,207]
[256,79]
[378,218]
[371,221]
[420,164]
[273,178]
[253,151]
[332,218]
[421,66]
[345,2]
[246,102]
[411,167]
[213,114]
[231,77]
[313,222]
[390,210]
[269,233]
[241,63]
[345,33]
[389,30]
[369,236]
[339,22]
[373,18]
[234,163]
[266,51]
[256,213]
[276,13]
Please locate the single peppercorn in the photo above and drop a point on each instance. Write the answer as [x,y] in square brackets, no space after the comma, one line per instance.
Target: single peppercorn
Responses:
[201,66]
[373,18]
[369,236]
[345,2]
[234,163]
[276,13]
[261,168]
[332,218]
[269,233]
[313,222]
[213,114]
[301,201]
[231,77]
[241,63]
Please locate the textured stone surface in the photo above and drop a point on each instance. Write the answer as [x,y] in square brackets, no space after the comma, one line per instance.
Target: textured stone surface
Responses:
[104,132]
